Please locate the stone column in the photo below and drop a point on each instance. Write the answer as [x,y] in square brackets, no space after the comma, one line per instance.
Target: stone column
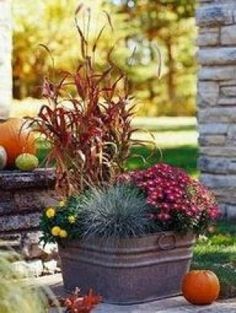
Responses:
[5,59]
[217,99]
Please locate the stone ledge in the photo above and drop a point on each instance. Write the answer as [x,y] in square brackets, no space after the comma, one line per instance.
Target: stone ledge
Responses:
[23,197]
[23,201]
[19,222]
[40,178]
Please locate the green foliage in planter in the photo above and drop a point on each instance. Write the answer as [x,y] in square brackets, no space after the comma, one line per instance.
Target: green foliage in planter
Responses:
[62,221]
[113,212]
[119,211]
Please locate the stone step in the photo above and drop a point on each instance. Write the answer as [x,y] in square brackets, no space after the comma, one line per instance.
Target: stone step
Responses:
[170,305]
[7,245]
[173,305]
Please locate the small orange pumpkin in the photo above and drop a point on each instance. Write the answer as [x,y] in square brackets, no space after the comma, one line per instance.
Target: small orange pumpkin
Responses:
[201,287]
[16,138]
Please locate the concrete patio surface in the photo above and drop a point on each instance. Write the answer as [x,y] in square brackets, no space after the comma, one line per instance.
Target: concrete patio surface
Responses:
[171,305]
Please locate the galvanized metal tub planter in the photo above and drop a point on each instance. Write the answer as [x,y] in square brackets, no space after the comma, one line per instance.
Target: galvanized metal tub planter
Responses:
[130,270]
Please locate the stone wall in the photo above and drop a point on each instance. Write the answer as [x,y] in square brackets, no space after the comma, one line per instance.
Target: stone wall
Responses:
[5,58]
[23,197]
[217,99]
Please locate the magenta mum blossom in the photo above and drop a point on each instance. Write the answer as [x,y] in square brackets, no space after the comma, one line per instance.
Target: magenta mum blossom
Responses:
[177,201]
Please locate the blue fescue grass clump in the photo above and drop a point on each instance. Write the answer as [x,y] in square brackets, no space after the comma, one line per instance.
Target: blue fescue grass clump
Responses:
[114,212]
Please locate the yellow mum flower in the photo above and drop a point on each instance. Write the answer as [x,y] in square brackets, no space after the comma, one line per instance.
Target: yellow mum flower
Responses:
[50,212]
[63,233]
[71,219]
[56,231]
[62,203]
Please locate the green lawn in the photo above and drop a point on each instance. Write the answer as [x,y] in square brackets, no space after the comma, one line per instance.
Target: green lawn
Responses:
[180,156]
[217,251]
[165,123]
[173,140]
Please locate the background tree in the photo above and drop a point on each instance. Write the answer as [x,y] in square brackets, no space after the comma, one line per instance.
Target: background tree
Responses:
[138,27]
[169,23]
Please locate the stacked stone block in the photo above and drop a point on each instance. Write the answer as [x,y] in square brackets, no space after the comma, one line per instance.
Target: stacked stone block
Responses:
[23,197]
[216,20]
[5,58]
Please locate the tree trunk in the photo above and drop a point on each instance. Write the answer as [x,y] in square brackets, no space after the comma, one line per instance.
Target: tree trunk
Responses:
[17,94]
[171,66]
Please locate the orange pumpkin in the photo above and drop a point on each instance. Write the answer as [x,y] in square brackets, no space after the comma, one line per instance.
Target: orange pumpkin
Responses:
[16,138]
[201,287]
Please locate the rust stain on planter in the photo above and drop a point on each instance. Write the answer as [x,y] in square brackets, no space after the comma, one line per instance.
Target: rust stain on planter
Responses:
[130,270]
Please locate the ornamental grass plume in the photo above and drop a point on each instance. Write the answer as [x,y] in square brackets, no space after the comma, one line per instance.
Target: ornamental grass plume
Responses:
[87,120]
[18,295]
[179,203]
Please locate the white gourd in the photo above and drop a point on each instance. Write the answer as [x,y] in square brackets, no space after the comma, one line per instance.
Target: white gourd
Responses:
[3,158]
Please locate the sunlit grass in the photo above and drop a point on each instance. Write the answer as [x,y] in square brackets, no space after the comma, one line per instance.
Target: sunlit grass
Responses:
[170,138]
[26,107]
[165,123]
[181,156]
[217,252]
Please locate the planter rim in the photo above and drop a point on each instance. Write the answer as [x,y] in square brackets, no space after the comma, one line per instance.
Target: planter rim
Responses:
[148,235]
[96,243]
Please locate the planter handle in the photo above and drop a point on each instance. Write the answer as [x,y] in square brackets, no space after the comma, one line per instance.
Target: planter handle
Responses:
[169,245]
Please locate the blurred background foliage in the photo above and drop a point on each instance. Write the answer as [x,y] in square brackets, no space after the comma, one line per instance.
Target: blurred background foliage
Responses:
[139,25]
